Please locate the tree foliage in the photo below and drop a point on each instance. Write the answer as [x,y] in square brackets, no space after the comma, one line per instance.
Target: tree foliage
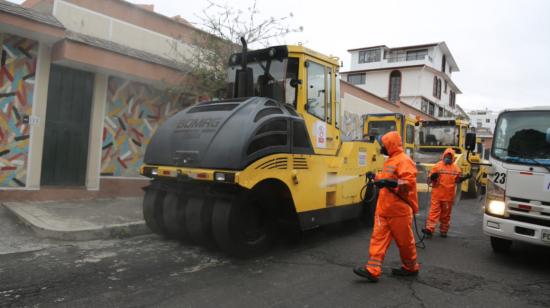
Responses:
[222,27]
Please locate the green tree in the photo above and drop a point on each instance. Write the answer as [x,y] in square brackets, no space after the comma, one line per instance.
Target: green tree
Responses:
[222,27]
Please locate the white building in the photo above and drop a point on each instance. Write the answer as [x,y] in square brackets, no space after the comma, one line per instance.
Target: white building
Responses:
[420,76]
[483,119]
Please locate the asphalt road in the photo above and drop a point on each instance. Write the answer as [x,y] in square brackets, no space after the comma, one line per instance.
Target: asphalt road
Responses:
[459,271]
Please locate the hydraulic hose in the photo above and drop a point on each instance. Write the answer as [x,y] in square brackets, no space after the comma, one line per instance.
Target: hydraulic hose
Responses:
[420,243]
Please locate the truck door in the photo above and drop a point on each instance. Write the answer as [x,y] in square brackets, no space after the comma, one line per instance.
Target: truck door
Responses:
[320,105]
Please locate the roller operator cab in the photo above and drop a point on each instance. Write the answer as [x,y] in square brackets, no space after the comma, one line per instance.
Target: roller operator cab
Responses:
[517,203]
[436,136]
[269,160]
[378,124]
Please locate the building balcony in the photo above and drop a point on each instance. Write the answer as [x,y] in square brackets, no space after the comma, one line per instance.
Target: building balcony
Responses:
[394,61]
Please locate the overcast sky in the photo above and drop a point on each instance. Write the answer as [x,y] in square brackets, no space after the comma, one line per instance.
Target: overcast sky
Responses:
[501,47]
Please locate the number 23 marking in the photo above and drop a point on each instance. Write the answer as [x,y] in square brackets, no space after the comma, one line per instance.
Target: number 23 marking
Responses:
[500,178]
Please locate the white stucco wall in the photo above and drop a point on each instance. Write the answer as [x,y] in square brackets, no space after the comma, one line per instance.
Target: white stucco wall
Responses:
[377,82]
[353,109]
[85,21]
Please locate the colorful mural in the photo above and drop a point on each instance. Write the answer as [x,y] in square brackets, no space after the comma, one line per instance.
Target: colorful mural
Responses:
[16,95]
[134,112]
[353,126]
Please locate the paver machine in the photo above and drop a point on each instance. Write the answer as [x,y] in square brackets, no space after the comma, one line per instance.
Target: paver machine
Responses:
[436,136]
[235,173]
[378,124]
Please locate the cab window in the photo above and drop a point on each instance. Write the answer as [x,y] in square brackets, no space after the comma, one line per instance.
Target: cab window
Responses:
[316,90]
[329,92]
[410,134]
[337,105]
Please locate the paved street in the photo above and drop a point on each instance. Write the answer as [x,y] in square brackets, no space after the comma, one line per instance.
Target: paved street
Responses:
[460,271]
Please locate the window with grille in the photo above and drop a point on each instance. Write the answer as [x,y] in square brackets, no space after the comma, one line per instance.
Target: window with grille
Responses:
[370,55]
[356,78]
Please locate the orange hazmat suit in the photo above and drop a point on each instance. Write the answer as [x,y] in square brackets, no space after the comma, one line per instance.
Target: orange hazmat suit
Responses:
[393,216]
[443,193]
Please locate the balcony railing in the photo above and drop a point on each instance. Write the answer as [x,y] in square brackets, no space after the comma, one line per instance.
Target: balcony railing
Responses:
[403,58]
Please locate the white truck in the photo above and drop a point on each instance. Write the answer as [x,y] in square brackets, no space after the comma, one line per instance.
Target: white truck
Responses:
[517,202]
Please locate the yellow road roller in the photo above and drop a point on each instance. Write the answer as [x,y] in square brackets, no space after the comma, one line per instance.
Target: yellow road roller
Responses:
[238,172]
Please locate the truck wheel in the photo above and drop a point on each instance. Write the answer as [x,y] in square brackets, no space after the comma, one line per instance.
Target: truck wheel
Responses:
[198,221]
[500,245]
[173,212]
[152,210]
[240,228]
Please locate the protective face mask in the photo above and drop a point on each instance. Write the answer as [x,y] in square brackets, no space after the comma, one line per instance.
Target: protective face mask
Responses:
[384,151]
[447,160]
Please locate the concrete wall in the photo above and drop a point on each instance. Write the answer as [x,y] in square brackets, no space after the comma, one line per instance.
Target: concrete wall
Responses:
[93,167]
[38,128]
[17,90]
[89,22]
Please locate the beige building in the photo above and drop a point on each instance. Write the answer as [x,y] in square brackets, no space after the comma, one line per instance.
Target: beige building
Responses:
[82,91]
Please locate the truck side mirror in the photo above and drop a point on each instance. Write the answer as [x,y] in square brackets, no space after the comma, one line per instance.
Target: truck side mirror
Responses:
[470,142]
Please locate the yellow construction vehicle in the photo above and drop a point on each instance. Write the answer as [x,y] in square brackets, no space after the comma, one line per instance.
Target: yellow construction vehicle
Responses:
[378,124]
[436,136]
[235,173]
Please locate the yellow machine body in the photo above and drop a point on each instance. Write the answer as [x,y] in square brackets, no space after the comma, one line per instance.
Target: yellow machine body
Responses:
[380,123]
[324,186]
[434,138]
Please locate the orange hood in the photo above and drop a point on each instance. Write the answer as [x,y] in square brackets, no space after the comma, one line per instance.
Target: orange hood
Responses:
[392,143]
[449,151]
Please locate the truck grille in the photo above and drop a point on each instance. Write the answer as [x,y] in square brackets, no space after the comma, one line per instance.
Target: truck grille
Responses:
[530,220]
[529,201]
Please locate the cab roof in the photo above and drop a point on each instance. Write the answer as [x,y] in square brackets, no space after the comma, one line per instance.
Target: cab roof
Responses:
[535,108]
[309,52]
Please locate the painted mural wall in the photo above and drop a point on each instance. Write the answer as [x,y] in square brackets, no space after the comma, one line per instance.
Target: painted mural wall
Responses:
[17,71]
[133,113]
[353,126]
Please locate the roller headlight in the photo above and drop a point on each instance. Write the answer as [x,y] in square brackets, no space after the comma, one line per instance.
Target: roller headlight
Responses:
[220,177]
[226,177]
[496,207]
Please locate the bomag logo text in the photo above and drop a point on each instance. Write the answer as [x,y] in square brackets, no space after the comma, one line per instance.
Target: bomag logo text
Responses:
[199,123]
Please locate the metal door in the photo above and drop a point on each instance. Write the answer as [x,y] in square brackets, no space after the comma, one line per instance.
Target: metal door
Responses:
[66,136]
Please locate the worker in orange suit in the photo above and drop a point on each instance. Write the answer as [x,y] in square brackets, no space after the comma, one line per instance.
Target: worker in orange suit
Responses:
[397,203]
[444,177]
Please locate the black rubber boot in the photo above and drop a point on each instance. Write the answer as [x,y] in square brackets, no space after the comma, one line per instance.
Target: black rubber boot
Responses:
[427,233]
[443,234]
[403,272]
[362,272]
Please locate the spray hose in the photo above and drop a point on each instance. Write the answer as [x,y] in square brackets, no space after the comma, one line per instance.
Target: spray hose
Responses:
[420,243]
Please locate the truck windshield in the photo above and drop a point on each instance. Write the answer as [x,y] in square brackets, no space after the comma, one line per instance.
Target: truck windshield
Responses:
[275,83]
[443,136]
[381,127]
[523,137]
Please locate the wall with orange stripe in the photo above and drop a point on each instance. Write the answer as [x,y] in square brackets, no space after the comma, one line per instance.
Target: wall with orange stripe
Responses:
[17,77]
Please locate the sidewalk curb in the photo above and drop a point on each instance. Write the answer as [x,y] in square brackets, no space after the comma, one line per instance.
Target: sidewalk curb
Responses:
[100,232]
